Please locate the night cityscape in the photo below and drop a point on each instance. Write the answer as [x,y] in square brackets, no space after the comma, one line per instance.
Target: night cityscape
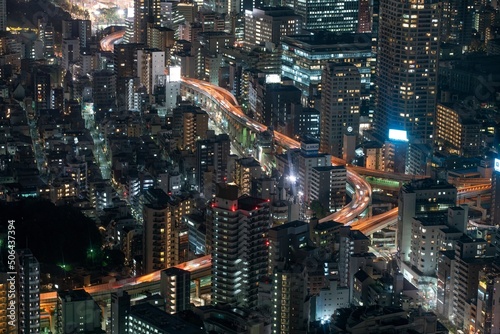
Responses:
[250,167]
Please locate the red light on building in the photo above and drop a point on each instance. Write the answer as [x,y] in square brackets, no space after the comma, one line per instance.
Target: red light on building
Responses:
[267,243]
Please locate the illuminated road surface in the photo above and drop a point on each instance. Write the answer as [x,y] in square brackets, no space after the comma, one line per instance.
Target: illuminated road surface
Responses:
[362,196]
[108,42]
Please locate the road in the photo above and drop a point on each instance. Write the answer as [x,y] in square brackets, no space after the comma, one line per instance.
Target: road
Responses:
[362,195]
[108,42]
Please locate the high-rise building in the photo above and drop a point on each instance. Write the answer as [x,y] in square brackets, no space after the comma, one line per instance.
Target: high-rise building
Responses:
[340,105]
[28,285]
[212,158]
[304,56]
[457,21]
[77,29]
[194,127]
[417,199]
[335,16]
[269,24]
[328,186]
[120,309]
[471,256]
[151,68]
[175,288]
[77,312]
[245,171]
[407,68]
[42,89]
[104,91]
[457,130]
[289,305]
[307,159]
[163,229]
[70,53]
[487,318]
[238,228]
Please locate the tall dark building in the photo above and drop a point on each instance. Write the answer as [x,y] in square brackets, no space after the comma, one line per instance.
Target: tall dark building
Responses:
[28,285]
[456,21]
[81,29]
[211,160]
[340,104]
[175,288]
[41,90]
[120,309]
[407,68]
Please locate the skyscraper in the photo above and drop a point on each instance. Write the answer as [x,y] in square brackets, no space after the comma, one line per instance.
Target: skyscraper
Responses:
[238,226]
[340,103]
[331,15]
[407,68]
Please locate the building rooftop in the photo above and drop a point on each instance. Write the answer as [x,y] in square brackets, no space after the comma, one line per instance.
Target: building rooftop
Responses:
[331,224]
[295,223]
[74,295]
[249,203]
[426,184]
[164,322]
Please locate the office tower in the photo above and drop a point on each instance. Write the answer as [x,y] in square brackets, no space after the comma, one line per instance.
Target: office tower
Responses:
[269,24]
[151,69]
[471,256]
[305,55]
[145,11]
[335,16]
[211,20]
[77,29]
[175,288]
[352,255]
[304,121]
[245,171]
[162,216]
[418,199]
[70,53]
[104,91]
[77,312]
[307,159]
[238,227]
[328,187]
[407,68]
[120,309]
[457,130]
[365,16]
[28,289]
[270,102]
[456,22]
[340,104]
[211,161]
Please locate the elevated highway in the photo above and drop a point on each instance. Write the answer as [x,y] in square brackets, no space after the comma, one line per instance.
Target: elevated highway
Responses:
[108,42]
[223,99]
